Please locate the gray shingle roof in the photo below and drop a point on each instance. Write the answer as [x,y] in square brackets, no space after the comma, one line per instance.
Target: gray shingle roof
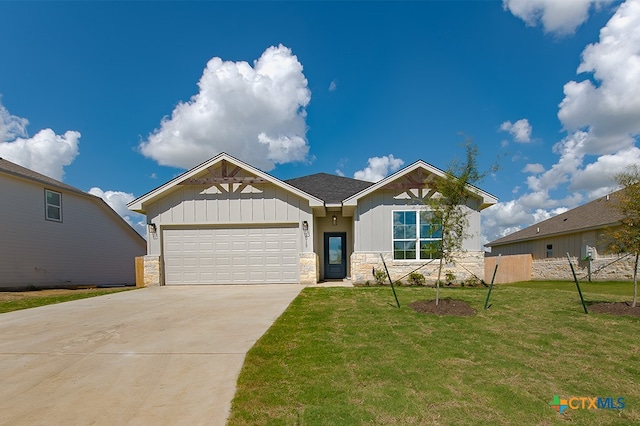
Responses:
[8,167]
[329,188]
[598,213]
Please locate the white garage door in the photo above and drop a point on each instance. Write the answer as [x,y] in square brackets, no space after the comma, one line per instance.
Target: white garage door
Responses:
[231,255]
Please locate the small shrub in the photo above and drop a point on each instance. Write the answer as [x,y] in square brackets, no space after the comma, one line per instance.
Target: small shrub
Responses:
[380,276]
[449,277]
[416,278]
[473,281]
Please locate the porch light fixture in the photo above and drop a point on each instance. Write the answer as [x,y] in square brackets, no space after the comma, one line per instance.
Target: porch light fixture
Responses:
[152,228]
[334,220]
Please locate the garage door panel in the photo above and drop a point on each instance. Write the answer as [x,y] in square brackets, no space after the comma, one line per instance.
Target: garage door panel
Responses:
[231,255]
[289,260]
[240,246]
[256,245]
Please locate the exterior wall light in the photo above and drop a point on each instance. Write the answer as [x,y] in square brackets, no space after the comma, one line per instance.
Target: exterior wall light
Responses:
[153,228]
[334,220]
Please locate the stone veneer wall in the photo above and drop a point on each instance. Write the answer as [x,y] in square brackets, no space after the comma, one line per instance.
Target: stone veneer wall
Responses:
[309,272]
[151,271]
[362,264]
[604,268]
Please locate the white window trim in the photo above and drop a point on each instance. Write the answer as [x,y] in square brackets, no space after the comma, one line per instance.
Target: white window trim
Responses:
[47,205]
[416,240]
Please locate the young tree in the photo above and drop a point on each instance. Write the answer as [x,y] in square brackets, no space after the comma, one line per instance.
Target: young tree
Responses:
[448,206]
[626,237]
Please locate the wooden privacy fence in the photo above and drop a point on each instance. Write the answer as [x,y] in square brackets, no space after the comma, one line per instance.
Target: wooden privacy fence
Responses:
[140,271]
[511,269]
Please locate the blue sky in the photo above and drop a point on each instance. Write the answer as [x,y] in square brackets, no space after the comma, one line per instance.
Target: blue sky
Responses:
[117,98]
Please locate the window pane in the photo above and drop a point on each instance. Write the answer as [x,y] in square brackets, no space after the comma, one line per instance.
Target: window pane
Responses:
[53,198]
[53,212]
[436,231]
[335,250]
[398,218]
[410,231]
[404,225]
[410,218]
[430,249]
[404,250]
[398,232]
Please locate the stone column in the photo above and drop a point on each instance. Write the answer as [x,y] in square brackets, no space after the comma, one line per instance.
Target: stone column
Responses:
[309,272]
[151,271]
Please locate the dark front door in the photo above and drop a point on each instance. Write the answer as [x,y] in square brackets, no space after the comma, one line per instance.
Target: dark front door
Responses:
[335,255]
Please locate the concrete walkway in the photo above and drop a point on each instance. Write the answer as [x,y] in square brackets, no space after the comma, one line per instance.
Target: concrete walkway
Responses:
[161,356]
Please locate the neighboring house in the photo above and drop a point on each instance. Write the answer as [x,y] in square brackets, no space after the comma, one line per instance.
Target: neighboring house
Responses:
[226,222]
[580,232]
[55,235]
[569,232]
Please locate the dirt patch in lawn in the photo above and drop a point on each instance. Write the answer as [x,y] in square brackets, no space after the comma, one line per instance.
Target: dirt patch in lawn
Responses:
[444,307]
[615,308]
[6,296]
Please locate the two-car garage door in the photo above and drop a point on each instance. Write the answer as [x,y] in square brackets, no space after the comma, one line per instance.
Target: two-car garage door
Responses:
[232,255]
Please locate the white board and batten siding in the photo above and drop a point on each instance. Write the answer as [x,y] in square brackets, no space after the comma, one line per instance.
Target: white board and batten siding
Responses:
[209,236]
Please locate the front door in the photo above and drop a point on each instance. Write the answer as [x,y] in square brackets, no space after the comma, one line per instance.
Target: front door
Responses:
[335,255]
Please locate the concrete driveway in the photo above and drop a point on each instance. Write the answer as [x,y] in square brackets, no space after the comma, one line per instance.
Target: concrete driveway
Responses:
[163,355]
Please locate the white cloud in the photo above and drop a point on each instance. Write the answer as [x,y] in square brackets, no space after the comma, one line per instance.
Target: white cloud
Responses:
[254,113]
[11,126]
[599,176]
[379,168]
[520,130]
[608,109]
[534,168]
[118,200]
[45,152]
[556,16]
[333,86]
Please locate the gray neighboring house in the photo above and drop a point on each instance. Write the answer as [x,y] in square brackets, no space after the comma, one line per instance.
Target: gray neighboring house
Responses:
[226,222]
[580,232]
[55,235]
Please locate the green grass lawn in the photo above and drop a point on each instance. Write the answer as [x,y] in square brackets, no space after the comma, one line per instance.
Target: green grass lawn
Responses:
[14,301]
[341,356]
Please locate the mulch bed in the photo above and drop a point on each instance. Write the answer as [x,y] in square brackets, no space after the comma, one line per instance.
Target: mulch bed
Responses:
[615,308]
[452,307]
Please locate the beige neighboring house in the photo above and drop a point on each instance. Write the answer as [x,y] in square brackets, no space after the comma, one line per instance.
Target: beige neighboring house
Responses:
[569,232]
[55,235]
[580,232]
[226,222]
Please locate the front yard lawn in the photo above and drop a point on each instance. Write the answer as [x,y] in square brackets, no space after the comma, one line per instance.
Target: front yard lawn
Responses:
[16,300]
[342,356]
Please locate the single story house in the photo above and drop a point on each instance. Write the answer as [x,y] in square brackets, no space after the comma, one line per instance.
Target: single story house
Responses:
[226,222]
[579,232]
[569,232]
[55,235]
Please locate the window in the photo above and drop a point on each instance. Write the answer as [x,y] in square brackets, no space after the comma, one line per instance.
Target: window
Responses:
[549,250]
[53,205]
[416,235]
